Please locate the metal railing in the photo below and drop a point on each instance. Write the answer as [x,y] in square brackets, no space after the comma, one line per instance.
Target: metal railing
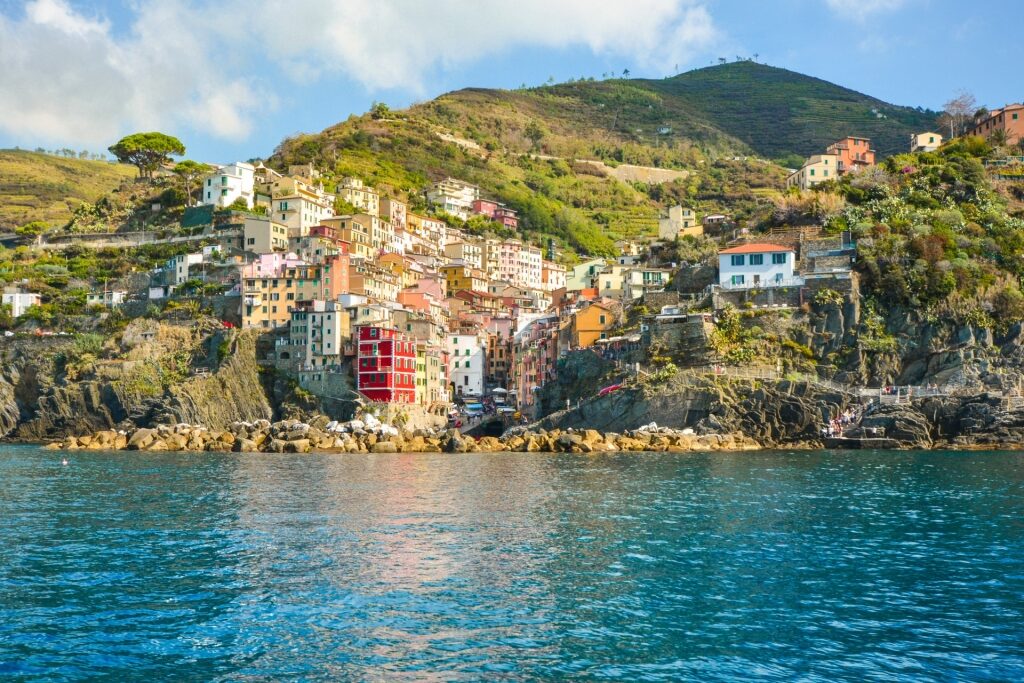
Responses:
[764,284]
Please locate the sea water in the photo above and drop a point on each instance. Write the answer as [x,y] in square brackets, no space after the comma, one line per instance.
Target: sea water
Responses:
[815,566]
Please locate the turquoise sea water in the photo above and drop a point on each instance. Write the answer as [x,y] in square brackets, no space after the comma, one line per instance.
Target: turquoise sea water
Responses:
[813,566]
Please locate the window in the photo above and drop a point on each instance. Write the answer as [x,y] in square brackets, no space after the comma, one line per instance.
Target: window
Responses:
[812,171]
[825,173]
[757,259]
[456,365]
[223,193]
[207,195]
[779,258]
[737,279]
[251,240]
[737,260]
[601,320]
[931,138]
[209,182]
[1014,116]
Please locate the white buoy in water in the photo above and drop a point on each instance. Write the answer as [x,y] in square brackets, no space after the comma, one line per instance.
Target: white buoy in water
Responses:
[64,461]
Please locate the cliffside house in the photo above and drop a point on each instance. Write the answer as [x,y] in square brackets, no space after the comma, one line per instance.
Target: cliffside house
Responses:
[757,265]
[853,153]
[592,323]
[19,300]
[229,183]
[925,142]
[1009,119]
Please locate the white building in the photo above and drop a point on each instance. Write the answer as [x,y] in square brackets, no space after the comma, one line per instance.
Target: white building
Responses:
[300,213]
[19,300]
[108,298]
[530,267]
[552,276]
[467,363]
[228,183]
[638,281]
[757,265]
[925,142]
[454,196]
[470,251]
[322,329]
[183,267]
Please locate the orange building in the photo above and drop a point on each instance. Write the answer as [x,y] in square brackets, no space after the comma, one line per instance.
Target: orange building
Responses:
[1009,119]
[852,153]
[592,323]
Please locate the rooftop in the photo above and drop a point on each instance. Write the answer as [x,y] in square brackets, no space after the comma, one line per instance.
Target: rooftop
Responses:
[755,248]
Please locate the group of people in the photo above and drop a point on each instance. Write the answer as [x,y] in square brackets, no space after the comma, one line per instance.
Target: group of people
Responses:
[837,425]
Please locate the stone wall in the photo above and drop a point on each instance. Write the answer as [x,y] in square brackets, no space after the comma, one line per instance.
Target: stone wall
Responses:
[769,296]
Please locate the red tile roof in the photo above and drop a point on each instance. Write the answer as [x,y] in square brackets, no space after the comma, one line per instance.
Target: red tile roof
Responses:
[755,248]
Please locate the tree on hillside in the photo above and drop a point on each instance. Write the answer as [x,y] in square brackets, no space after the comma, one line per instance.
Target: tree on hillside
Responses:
[190,171]
[958,111]
[379,110]
[625,73]
[534,133]
[147,151]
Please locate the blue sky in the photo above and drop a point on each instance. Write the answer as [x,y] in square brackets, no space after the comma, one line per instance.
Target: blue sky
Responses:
[233,78]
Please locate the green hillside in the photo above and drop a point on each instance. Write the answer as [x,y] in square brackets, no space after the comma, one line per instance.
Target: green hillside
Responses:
[525,147]
[778,112]
[42,187]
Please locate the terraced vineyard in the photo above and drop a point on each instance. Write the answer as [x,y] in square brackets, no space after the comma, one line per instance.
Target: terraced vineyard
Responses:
[41,187]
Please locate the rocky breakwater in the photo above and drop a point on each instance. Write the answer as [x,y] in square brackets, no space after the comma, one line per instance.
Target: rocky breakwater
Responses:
[371,436]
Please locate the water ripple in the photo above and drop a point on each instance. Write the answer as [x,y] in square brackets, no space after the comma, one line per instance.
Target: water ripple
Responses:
[717,567]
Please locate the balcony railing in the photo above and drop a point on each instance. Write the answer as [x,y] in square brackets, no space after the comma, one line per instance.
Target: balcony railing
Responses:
[764,284]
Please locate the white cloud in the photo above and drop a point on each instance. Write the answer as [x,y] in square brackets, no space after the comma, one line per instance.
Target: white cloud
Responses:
[860,10]
[397,43]
[70,78]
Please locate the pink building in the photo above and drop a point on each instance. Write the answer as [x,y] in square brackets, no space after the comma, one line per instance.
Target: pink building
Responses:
[506,217]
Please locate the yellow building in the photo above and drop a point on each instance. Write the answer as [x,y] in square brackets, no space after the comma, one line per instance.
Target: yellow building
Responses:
[460,275]
[925,142]
[817,169]
[269,297]
[591,323]
[356,231]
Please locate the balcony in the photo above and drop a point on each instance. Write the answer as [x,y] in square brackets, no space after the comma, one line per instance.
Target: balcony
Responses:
[764,284]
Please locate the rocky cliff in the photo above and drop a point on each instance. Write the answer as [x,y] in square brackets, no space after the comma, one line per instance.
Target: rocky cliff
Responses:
[151,373]
[773,414]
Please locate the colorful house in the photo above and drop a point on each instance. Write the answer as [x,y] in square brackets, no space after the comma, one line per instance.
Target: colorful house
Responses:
[1009,120]
[592,323]
[852,153]
[385,365]
[757,265]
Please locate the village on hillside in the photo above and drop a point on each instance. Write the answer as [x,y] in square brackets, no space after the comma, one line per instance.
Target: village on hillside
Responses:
[409,310]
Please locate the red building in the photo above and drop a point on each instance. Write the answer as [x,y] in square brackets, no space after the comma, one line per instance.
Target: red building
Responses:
[385,365]
[484,207]
[506,217]
[853,153]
